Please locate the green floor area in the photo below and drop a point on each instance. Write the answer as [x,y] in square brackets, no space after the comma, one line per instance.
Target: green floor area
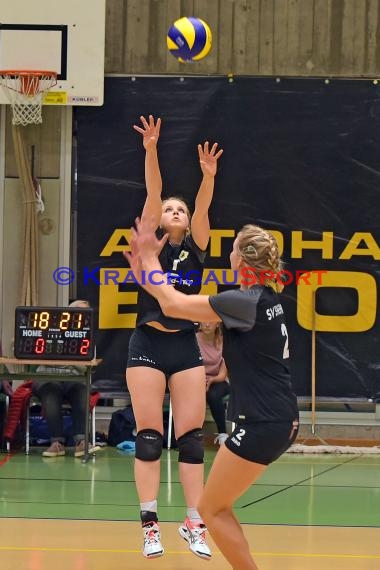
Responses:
[337,490]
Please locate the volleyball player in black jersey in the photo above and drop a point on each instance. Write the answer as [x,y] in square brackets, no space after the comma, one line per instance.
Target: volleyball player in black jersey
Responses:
[256,351]
[164,349]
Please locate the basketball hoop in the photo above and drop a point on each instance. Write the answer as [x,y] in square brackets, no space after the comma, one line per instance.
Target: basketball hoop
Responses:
[25,89]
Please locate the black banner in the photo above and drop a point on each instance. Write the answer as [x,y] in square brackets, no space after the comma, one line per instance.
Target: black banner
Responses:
[301,158]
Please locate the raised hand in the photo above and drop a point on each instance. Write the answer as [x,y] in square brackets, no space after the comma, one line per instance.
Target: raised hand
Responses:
[208,159]
[144,244]
[149,130]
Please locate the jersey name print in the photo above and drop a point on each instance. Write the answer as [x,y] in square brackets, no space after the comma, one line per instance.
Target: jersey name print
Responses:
[275,311]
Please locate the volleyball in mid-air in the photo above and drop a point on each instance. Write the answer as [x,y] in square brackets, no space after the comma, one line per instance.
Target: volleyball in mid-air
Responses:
[189,39]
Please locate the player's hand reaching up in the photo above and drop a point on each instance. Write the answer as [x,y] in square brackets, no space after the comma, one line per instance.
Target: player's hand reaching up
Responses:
[144,238]
[149,130]
[144,245]
[208,159]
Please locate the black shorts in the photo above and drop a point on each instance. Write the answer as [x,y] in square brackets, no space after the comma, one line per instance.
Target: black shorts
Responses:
[168,352]
[262,442]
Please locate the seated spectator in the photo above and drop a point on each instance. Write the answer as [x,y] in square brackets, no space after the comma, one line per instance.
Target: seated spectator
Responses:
[53,394]
[210,342]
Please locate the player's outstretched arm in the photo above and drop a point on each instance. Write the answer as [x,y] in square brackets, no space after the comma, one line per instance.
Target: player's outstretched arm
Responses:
[150,132]
[200,224]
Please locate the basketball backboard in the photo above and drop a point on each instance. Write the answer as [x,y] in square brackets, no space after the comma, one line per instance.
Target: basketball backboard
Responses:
[65,36]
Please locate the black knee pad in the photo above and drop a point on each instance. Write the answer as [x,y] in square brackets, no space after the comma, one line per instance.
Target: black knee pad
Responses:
[190,447]
[148,445]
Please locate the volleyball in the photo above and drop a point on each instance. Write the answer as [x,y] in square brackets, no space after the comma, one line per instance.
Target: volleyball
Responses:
[189,39]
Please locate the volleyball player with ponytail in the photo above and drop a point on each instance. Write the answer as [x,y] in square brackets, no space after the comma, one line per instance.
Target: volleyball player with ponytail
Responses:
[256,351]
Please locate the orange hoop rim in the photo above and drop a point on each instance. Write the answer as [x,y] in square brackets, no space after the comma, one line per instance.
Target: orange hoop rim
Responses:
[28,72]
[28,82]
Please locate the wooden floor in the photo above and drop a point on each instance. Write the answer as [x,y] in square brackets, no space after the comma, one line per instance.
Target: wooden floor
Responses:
[305,513]
[109,545]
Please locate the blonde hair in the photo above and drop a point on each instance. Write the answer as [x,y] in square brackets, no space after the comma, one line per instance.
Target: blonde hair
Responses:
[188,213]
[79,303]
[259,249]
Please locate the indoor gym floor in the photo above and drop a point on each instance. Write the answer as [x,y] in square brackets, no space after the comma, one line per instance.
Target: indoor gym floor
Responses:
[306,512]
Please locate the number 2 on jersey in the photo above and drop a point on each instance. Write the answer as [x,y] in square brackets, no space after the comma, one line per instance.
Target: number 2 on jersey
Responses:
[284,332]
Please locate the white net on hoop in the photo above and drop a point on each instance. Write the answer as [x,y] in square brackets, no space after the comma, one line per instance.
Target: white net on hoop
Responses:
[25,91]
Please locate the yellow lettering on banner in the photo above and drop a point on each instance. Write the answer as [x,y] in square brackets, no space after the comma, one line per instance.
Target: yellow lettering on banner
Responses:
[216,241]
[362,320]
[113,245]
[110,298]
[352,248]
[325,245]
[360,244]
[298,244]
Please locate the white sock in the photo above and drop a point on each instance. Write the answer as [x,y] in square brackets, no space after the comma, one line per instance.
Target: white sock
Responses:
[150,506]
[194,516]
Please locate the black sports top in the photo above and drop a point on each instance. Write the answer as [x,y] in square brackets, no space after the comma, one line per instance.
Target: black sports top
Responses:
[184,262]
[256,352]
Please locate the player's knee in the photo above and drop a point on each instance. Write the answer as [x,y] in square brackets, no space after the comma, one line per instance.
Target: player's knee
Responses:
[148,445]
[209,511]
[190,447]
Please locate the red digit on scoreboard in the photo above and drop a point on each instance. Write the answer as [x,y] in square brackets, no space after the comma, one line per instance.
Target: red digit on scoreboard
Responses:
[40,346]
[84,346]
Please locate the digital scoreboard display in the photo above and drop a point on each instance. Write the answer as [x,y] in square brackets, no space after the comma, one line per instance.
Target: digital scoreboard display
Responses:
[54,333]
